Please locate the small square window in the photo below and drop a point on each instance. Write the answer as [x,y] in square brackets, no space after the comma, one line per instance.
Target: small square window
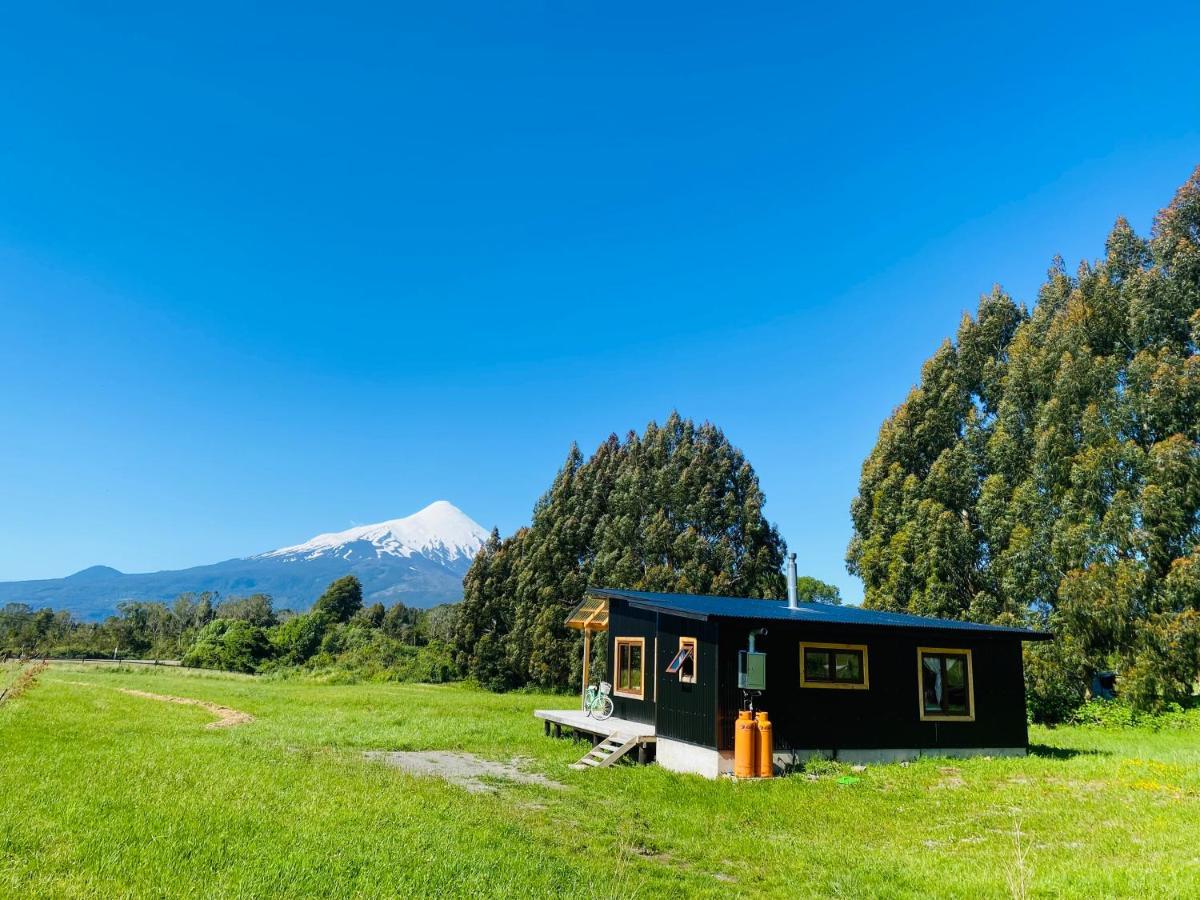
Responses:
[683,663]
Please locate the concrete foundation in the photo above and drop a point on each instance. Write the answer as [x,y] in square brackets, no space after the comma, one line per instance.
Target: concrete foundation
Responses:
[679,756]
[898,754]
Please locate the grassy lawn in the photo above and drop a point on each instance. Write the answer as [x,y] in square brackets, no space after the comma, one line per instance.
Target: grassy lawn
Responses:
[107,793]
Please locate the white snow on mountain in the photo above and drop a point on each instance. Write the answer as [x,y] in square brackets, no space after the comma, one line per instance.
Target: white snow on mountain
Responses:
[441,531]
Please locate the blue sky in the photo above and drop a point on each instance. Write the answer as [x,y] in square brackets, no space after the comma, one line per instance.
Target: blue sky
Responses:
[265,274]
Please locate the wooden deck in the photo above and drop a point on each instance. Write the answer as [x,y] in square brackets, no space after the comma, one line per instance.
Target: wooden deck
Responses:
[581,723]
[617,736]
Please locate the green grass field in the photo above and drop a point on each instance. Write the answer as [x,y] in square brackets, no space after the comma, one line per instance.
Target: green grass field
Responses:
[110,794]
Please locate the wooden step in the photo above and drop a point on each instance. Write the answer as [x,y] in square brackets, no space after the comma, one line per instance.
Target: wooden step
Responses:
[606,752]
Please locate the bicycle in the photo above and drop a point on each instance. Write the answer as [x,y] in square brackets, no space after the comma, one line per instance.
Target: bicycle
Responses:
[597,703]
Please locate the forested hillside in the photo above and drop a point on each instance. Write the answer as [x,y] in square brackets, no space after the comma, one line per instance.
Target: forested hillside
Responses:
[1046,468]
[677,508]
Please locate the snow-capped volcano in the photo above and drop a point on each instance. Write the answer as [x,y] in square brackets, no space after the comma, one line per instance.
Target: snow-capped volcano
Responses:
[419,560]
[440,531]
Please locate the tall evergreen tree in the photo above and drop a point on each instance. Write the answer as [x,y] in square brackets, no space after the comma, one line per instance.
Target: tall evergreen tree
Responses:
[1046,467]
[677,508]
[341,600]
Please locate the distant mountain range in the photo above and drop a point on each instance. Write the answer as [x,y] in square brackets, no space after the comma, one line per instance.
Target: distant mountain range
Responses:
[419,560]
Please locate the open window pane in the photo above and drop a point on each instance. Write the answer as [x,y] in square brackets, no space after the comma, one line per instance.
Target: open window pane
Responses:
[683,663]
[687,671]
[676,665]
[687,665]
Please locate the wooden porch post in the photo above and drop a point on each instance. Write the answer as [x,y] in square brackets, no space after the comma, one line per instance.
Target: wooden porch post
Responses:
[587,663]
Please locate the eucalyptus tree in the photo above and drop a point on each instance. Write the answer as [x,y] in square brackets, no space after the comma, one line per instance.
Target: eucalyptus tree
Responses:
[1046,468]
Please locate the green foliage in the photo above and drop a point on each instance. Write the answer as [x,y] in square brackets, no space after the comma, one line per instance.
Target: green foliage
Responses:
[1121,714]
[341,600]
[440,621]
[677,508]
[299,637]
[401,623]
[139,629]
[1046,470]
[823,767]
[372,616]
[229,644]
[1055,679]
[813,590]
[256,609]
[371,643]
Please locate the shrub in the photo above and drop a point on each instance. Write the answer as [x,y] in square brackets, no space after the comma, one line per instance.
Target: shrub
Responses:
[232,645]
[299,637]
[1119,713]
[1055,679]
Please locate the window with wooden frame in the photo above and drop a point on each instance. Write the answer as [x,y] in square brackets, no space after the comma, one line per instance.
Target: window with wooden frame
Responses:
[946,684]
[684,662]
[842,666]
[629,672]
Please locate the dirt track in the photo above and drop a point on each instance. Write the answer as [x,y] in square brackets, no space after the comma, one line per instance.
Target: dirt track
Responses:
[226,717]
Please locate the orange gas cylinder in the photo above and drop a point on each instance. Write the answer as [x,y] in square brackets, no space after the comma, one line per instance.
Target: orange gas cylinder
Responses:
[766,747]
[744,735]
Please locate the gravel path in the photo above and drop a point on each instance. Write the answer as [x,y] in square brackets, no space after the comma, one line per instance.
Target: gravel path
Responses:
[463,769]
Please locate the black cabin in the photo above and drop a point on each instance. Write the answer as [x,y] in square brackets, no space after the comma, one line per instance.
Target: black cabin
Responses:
[843,681]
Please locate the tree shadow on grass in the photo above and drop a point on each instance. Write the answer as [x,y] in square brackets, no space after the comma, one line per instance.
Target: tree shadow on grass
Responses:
[1047,752]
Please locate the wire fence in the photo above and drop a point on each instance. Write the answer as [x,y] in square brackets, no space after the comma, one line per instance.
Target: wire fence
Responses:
[96,660]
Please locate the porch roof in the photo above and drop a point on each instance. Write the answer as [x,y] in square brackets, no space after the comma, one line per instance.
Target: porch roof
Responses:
[591,614]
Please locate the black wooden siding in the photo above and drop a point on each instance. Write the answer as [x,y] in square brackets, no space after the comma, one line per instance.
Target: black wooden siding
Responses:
[687,712]
[887,715]
[626,622]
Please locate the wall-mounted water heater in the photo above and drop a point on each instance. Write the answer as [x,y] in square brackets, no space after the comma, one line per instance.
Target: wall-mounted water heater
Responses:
[752,670]
[752,666]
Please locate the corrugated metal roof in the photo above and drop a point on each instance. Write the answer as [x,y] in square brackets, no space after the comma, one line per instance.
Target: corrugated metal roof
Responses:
[698,606]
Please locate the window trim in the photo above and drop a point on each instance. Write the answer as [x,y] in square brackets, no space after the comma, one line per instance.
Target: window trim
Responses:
[695,644]
[640,643]
[835,685]
[941,717]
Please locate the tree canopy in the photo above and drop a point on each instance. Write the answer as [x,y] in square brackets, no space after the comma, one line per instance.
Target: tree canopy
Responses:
[1046,468]
[677,508]
[813,590]
[341,600]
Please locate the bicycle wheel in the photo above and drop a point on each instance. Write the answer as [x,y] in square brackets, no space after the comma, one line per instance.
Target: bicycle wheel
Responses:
[606,708]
